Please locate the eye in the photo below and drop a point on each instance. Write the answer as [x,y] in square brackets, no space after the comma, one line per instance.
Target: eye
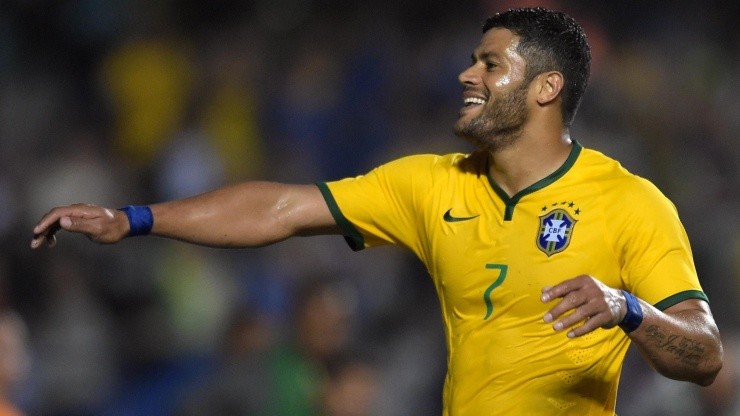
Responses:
[490,66]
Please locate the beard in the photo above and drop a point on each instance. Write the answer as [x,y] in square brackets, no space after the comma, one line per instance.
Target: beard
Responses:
[499,125]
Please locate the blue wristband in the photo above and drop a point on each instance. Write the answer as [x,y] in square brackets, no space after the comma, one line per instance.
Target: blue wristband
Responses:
[140,219]
[633,317]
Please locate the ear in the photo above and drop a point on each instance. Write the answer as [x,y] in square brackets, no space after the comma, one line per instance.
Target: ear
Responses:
[549,86]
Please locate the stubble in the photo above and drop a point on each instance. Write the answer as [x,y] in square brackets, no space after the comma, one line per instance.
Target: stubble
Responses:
[498,125]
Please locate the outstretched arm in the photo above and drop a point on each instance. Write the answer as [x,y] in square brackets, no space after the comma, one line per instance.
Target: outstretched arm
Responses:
[681,343]
[246,215]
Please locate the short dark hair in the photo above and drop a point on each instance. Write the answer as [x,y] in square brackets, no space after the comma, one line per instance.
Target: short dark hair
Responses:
[550,40]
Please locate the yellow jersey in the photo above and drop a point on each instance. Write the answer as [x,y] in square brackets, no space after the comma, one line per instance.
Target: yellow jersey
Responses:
[490,254]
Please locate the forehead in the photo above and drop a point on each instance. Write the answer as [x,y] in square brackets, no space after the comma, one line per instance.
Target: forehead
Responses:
[499,41]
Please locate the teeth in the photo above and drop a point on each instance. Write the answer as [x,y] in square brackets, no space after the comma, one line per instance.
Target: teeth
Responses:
[474,100]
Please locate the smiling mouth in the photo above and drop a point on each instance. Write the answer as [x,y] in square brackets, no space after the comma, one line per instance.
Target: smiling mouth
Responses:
[473,101]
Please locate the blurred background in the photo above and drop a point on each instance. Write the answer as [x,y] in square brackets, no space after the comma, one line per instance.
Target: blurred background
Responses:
[118,102]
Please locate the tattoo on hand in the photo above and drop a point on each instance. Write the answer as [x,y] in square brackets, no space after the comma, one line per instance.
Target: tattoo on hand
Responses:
[686,350]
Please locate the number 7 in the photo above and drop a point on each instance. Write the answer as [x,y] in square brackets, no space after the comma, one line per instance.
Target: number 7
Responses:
[502,268]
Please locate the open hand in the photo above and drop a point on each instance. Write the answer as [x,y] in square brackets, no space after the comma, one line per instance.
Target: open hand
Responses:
[592,303]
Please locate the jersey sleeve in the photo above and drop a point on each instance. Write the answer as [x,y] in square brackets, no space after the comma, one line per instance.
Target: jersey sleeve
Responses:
[656,259]
[383,206]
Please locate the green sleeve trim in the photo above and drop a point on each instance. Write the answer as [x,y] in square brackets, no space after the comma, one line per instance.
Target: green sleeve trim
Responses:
[353,237]
[680,297]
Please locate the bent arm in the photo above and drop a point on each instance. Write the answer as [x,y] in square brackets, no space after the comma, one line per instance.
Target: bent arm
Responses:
[250,214]
[682,342]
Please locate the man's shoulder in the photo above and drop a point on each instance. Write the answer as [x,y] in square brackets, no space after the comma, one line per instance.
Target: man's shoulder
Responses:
[436,164]
[600,167]
[628,190]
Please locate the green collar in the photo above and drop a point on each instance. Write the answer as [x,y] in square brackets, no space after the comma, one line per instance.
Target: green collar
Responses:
[511,202]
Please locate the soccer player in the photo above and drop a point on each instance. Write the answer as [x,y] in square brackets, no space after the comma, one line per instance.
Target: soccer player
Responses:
[548,258]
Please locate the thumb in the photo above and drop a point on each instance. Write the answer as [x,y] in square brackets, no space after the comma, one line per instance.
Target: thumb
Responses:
[66,223]
[101,226]
[78,225]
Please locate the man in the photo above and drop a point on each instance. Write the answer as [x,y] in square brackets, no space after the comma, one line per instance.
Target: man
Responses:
[538,247]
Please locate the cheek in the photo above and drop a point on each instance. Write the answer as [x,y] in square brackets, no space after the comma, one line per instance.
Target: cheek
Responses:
[503,81]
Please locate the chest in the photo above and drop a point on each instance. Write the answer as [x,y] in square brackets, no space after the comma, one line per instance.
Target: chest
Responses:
[487,257]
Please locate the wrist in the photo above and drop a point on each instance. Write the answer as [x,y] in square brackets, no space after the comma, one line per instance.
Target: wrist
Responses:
[633,315]
[140,219]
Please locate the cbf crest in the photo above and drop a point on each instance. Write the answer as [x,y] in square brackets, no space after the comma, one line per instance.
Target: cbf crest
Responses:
[556,231]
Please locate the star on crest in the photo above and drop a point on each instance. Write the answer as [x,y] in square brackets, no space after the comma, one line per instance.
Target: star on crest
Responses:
[569,204]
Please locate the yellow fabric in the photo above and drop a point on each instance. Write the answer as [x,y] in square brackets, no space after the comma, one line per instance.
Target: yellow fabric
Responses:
[489,269]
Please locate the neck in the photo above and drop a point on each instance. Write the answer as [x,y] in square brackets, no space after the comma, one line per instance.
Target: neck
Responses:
[531,158]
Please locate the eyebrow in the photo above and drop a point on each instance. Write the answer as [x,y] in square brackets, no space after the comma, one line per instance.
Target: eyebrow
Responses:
[483,56]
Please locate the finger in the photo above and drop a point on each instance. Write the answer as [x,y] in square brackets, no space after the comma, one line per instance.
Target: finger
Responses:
[97,228]
[66,223]
[49,223]
[48,236]
[569,302]
[82,225]
[56,219]
[53,216]
[577,316]
[589,325]
[560,290]
[588,311]
[37,241]
[46,221]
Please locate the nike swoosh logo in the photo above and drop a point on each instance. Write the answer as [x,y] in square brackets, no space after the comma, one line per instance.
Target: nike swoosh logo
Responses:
[449,218]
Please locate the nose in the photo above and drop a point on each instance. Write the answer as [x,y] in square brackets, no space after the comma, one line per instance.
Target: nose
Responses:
[469,76]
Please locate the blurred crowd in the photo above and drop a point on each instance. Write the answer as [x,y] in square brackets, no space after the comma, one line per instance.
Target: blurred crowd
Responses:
[118,102]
